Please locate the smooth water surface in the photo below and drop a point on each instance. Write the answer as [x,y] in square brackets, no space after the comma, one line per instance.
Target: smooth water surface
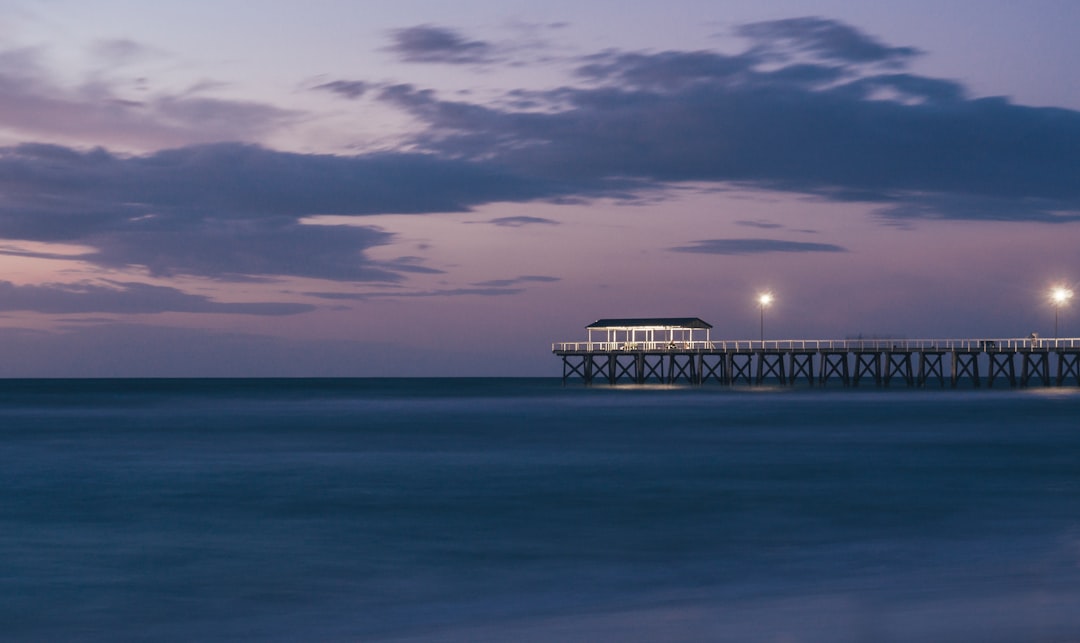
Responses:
[497,510]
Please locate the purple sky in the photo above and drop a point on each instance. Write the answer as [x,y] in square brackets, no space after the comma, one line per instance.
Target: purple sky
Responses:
[431,188]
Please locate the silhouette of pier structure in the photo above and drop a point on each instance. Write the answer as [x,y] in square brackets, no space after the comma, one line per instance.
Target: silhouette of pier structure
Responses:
[680,350]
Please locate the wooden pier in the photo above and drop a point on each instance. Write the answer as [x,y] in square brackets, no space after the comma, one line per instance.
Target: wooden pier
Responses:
[680,351]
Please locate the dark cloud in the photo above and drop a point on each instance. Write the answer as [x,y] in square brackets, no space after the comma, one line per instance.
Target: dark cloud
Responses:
[249,249]
[235,211]
[755,246]
[823,38]
[517,222]
[906,88]
[502,283]
[918,146]
[665,70]
[764,225]
[347,88]
[417,294]
[236,181]
[125,298]
[430,44]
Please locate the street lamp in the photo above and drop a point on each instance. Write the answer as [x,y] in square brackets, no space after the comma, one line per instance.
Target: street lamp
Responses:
[764,299]
[1059,296]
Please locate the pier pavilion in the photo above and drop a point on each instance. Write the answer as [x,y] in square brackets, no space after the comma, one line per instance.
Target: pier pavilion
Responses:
[628,334]
[680,350]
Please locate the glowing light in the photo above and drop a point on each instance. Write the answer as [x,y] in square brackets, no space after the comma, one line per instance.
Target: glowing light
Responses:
[764,299]
[1060,295]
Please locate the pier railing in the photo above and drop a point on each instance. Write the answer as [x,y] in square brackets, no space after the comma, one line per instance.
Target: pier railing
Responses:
[986,345]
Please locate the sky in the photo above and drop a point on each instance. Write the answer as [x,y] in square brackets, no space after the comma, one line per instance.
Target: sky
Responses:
[422,188]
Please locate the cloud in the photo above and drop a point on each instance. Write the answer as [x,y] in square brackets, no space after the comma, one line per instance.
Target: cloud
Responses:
[430,44]
[126,298]
[905,87]
[755,246]
[232,211]
[517,222]
[502,283]
[249,249]
[823,38]
[347,88]
[217,119]
[978,207]
[917,146]
[417,294]
[35,106]
[824,121]
[666,70]
[764,225]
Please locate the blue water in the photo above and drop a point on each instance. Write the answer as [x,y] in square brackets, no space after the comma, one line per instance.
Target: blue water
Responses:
[519,510]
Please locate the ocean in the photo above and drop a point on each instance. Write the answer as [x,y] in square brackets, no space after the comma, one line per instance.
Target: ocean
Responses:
[519,510]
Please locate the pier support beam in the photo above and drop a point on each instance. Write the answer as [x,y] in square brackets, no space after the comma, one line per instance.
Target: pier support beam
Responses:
[834,363]
[570,368]
[589,365]
[1001,364]
[898,364]
[714,369]
[600,365]
[652,366]
[1068,365]
[740,366]
[965,363]
[770,365]
[867,363]
[931,365]
[801,363]
[623,367]
[1035,362]
[681,366]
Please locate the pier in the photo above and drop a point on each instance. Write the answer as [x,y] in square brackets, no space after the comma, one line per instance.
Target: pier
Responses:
[681,351]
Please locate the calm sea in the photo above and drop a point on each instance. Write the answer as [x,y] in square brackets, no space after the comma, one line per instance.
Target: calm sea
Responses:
[517,510]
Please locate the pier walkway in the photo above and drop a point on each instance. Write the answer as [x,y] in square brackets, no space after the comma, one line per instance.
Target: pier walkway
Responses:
[676,357]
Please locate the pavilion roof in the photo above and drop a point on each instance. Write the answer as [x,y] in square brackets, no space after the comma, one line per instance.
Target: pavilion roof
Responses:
[651,322]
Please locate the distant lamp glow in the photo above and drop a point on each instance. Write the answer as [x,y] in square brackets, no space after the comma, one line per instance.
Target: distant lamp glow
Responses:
[1059,296]
[764,299]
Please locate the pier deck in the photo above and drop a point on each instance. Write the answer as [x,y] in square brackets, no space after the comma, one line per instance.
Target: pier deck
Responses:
[852,362]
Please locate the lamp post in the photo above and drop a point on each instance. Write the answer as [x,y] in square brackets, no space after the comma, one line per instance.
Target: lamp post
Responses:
[764,299]
[1059,296]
